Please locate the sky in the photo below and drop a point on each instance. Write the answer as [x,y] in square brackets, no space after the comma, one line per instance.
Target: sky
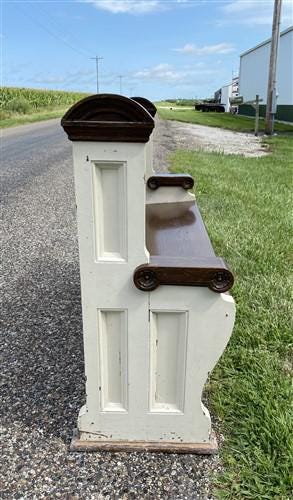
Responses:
[161,48]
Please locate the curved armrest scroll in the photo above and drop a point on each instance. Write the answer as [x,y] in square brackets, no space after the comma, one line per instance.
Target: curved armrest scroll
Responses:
[180,180]
[212,273]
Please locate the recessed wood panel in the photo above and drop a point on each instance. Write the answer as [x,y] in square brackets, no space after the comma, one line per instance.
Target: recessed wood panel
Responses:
[168,332]
[113,360]
[110,211]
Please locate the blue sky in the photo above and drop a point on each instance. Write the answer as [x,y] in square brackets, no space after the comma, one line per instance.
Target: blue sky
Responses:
[163,48]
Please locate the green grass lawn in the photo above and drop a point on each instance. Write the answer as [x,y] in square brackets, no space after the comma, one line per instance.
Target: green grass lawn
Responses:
[21,119]
[246,205]
[176,102]
[222,120]
[165,104]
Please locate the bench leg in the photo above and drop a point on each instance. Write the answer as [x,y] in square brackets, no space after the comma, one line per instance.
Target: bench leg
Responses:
[158,371]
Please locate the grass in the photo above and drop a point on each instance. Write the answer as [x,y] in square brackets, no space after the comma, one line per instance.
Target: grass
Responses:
[245,203]
[21,119]
[165,104]
[222,120]
[176,103]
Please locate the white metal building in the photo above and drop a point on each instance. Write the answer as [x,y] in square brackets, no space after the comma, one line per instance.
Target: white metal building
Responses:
[226,93]
[253,76]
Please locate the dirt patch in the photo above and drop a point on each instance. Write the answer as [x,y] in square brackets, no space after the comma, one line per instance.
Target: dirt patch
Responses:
[171,135]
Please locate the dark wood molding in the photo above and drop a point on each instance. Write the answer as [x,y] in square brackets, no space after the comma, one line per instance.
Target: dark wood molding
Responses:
[148,105]
[181,180]
[209,448]
[212,273]
[109,118]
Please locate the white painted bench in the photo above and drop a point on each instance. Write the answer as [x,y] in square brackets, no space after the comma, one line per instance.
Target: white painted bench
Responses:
[156,312]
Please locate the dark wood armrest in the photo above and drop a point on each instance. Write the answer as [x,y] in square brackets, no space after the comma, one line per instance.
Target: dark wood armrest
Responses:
[180,180]
[212,273]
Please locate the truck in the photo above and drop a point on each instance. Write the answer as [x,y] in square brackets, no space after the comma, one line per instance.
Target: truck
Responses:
[210,105]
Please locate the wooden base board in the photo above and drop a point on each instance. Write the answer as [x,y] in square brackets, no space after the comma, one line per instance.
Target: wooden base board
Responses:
[78,444]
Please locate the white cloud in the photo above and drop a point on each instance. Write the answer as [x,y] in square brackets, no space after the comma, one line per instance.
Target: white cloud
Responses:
[220,48]
[162,71]
[166,73]
[137,6]
[240,6]
[255,13]
[126,6]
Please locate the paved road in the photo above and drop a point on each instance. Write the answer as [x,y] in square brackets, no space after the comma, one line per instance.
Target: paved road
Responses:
[29,151]
[42,368]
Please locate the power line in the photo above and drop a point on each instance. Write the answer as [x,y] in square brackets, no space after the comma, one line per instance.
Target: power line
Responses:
[60,27]
[52,33]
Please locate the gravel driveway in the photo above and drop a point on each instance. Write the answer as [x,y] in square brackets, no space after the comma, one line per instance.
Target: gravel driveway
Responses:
[42,384]
[170,135]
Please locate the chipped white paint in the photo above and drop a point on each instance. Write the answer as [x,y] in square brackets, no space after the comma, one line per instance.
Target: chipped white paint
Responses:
[147,355]
[109,197]
[149,169]
[168,332]
[112,334]
[107,287]
[209,320]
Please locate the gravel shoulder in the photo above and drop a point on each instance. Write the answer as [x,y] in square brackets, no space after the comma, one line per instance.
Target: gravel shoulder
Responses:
[42,368]
[171,135]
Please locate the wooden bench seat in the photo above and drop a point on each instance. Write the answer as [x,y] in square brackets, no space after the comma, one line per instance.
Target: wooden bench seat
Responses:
[176,230]
[180,250]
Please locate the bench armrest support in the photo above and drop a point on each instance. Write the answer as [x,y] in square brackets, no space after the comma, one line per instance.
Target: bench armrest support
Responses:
[179,180]
[211,272]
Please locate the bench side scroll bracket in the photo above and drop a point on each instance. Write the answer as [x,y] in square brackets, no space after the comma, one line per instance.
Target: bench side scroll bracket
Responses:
[171,180]
[148,277]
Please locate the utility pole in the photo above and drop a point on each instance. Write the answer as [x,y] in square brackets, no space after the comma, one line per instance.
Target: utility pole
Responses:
[271,93]
[97,59]
[256,126]
[120,79]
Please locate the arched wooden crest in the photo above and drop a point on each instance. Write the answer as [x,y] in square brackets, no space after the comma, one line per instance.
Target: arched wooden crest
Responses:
[148,105]
[108,117]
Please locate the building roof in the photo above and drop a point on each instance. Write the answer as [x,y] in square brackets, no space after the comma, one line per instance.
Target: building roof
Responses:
[266,41]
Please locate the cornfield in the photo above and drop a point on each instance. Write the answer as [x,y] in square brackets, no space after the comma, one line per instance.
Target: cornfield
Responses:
[38,99]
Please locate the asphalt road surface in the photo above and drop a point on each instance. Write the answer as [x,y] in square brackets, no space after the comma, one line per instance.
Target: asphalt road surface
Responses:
[30,150]
[42,384]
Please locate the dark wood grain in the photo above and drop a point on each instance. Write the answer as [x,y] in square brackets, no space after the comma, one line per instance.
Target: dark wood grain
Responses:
[180,251]
[210,448]
[108,117]
[177,180]
[212,273]
[148,105]
[177,230]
